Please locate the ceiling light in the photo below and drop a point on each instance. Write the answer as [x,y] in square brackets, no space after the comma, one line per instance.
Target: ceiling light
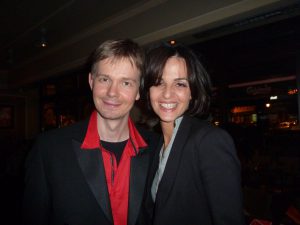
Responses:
[42,43]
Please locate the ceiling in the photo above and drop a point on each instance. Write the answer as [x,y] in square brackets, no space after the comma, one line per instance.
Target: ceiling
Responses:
[266,52]
[221,30]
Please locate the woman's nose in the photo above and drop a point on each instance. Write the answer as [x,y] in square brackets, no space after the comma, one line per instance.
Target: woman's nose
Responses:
[167,91]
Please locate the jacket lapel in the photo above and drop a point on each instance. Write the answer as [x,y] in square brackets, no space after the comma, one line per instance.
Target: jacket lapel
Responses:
[149,204]
[154,165]
[173,162]
[91,164]
[138,174]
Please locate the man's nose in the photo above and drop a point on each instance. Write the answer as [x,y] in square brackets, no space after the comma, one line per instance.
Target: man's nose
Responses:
[113,89]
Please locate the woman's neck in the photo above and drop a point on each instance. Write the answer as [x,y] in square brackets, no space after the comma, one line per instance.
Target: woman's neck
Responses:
[167,130]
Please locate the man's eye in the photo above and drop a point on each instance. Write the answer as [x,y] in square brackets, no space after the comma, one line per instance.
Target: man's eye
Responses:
[127,83]
[102,79]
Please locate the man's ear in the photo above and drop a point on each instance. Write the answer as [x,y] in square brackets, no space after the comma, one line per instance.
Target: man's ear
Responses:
[137,96]
[91,81]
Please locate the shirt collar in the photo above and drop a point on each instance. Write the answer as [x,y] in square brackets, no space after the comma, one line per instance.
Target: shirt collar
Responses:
[91,140]
[178,122]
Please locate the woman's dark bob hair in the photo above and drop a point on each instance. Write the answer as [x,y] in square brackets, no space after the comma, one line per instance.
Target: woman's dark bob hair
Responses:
[198,78]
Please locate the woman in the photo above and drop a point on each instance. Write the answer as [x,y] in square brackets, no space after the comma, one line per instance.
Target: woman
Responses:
[195,177]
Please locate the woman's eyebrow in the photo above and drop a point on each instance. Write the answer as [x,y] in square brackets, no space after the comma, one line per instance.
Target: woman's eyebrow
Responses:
[181,78]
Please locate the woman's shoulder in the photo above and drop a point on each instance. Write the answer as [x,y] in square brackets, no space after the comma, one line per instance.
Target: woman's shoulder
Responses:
[204,127]
[197,123]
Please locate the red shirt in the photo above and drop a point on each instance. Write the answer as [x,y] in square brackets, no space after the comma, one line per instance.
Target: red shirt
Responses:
[117,176]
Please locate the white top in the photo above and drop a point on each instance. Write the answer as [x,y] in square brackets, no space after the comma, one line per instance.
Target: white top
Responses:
[163,158]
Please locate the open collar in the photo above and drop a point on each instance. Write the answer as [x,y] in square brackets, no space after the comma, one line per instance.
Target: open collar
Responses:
[91,140]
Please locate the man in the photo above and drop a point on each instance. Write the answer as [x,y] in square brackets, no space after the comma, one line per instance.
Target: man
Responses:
[94,172]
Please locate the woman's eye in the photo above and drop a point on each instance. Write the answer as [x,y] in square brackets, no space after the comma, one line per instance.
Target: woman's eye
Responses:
[181,84]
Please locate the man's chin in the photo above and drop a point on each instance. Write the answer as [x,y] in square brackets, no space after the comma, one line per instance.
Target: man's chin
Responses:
[111,116]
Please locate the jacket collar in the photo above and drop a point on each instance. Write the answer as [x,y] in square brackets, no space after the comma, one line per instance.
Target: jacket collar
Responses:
[174,159]
[91,164]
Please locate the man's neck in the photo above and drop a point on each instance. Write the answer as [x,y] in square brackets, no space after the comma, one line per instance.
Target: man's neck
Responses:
[113,130]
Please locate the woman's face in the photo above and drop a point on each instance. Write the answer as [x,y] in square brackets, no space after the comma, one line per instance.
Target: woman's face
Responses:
[171,97]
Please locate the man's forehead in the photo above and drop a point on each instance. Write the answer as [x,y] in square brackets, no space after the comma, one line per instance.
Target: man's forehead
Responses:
[116,60]
[111,69]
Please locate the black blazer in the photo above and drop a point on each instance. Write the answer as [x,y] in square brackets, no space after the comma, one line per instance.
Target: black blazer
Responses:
[201,183]
[67,185]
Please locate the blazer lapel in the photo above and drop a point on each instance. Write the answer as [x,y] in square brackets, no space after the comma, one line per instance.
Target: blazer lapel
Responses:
[173,162]
[149,204]
[138,174]
[154,165]
[91,164]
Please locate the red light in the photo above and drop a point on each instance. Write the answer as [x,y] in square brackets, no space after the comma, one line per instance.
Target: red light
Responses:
[293,91]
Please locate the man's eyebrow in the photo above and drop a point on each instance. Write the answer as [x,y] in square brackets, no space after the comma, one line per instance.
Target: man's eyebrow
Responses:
[102,75]
[122,78]
[130,79]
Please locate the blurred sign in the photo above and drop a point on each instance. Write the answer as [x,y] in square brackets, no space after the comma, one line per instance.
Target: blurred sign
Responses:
[258,90]
[241,109]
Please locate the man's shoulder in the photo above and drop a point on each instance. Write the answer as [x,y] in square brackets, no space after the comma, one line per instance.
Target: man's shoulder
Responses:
[76,130]
[148,135]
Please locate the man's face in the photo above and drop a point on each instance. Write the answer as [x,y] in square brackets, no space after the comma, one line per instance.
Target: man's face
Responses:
[115,88]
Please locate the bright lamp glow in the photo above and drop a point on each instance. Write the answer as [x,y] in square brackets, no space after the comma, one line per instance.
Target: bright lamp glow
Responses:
[273,97]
